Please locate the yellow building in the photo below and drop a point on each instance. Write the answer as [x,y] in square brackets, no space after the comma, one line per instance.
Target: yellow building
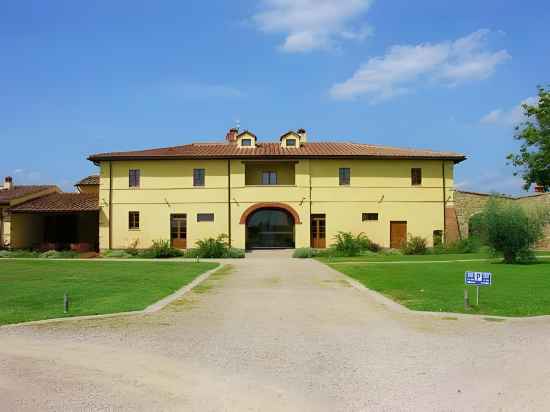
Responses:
[290,193]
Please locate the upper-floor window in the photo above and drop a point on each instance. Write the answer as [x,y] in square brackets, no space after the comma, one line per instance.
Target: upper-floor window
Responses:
[198,177]
[269,178]
[416,176]
[133,220]
[246,142]
[291,142]
[344,176]
[133,177]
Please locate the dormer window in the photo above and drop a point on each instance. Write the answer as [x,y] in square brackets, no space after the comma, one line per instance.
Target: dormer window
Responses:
[290,140]
[246,139]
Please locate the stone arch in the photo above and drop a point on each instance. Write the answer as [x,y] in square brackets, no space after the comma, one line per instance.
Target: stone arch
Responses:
[270,205]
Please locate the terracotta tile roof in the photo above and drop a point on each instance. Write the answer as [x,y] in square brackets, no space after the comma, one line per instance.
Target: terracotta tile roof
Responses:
[60,202]
[6,195]
[269,150]
[88,181]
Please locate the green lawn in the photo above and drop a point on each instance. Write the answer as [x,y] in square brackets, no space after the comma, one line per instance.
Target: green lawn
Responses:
[33,290]
[420,258]
[517,290]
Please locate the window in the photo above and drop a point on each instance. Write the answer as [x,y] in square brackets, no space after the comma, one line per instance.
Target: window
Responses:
[133,220]
[291,142]
[269,178]
[198,177]
[345,175]
[246,142]
[369,216]
[205,217]
[416,176]
[133,177]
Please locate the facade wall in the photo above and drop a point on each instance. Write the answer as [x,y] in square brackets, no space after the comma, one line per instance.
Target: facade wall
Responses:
[5,227]
[27,230]
[377,186]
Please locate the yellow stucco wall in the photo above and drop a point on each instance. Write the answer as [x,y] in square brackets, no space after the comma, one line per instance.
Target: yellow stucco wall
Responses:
[88,188]
[27,230]
[166,187]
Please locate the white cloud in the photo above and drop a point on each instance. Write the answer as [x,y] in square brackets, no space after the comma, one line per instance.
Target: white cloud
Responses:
[312,24]
[402,66]
[511,117]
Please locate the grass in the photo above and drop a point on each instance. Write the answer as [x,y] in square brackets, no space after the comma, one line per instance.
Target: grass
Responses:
[418,258]
[517,290]
[33,290]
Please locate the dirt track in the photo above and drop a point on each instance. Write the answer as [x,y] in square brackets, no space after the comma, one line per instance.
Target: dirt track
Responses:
[277,334]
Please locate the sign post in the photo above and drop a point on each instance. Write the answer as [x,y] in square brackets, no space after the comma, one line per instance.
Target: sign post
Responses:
[478,279]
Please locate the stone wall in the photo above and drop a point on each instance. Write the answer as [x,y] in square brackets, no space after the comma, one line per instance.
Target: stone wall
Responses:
[468,204]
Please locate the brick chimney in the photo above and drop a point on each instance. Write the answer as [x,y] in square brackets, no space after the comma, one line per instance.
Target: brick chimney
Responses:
[231,136]
[303,135]
[8,183]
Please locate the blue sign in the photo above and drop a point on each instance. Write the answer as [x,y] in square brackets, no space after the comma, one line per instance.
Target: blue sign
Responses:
[478,278]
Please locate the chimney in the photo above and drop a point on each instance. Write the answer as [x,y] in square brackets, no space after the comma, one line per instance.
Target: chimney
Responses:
[303,135]
[8,183]
[231,136]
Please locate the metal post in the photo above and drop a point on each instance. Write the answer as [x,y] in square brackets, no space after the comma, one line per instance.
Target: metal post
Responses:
[477,295]
[66,303]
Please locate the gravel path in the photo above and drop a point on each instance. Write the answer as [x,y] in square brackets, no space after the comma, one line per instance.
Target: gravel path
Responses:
[274,333]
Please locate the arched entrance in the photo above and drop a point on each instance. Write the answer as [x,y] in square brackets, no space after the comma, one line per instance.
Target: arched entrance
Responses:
[270,228]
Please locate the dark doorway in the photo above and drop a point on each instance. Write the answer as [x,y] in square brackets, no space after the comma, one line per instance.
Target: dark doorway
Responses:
[270,228]
[62,229]
[318,231]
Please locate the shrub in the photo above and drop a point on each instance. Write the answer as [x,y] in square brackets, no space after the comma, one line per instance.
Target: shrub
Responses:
[162,249]
[115,253]
[60,254]
[19,253]
[415,245]
[346,244]
[469,245]
[235,253]
[509,229]
[132,248]
[214,247]
[305,252]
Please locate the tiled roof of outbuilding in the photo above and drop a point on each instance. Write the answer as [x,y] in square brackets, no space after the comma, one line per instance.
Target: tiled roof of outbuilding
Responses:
[224,150]
[6,195]
[61,203]
[89,181]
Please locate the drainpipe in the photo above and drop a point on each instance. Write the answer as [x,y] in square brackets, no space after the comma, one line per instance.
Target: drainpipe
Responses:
[310,200]
[229,200]
[444,203]
[110,204]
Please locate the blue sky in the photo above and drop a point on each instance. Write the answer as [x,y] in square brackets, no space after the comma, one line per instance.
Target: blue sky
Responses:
[83,77]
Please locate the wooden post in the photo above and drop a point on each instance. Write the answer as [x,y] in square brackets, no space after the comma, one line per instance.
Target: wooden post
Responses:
[66,303]
[466,299]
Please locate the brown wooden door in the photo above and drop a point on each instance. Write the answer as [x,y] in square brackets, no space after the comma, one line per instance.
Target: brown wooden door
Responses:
[318,231]
[178,231]
[398,234]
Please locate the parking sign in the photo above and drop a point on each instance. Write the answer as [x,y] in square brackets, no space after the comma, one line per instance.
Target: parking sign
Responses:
[478,278]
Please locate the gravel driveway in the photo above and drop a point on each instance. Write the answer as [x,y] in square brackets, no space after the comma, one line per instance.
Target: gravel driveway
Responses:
[275,333]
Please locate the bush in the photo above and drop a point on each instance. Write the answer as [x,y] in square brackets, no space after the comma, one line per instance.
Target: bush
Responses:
[18,253]
[469,245]
[305,252]
[115,253]
[415,245]
[346,244]
[59,254]
[216,248]
[235,253]
[509,229]
[132,248]
[161,249]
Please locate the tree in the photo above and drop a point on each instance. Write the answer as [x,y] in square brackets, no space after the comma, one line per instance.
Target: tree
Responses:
[511,230]
[533,158]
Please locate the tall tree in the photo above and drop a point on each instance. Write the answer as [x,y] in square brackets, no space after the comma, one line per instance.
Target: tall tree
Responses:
[533,158]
